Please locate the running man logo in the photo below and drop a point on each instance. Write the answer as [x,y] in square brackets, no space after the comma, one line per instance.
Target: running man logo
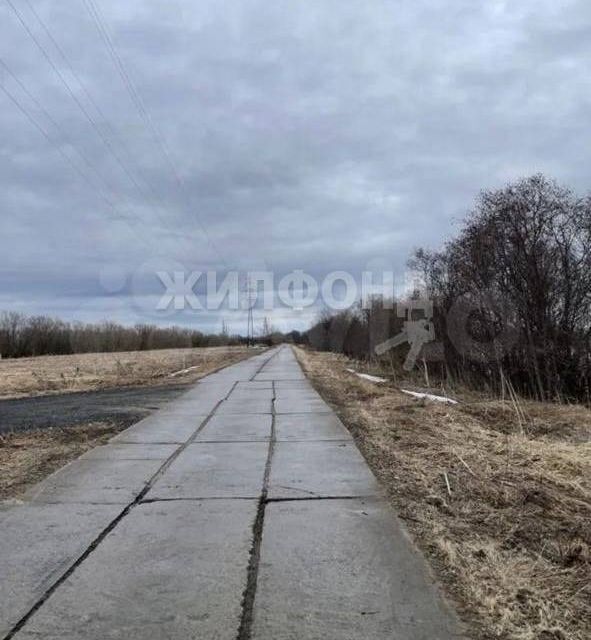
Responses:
[416,332]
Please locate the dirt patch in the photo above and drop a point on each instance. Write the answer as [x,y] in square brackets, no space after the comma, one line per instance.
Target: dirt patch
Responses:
[89,371]
[27,458]
[498,498]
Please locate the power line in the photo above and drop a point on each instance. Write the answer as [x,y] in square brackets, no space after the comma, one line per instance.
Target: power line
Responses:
[138,102]
[136,97]
[140,106]
[104,184]
[55,124]
[88,95]
[117,215]
[85,112]
[74,97]
[66,60]
[250,299]
[46,135]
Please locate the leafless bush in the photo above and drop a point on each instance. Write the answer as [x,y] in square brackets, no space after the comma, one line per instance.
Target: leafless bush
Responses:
[511,294]
[524,258]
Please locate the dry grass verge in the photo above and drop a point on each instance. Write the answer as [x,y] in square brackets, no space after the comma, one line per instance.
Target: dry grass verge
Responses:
[27,458]
[500,504]
[87,371]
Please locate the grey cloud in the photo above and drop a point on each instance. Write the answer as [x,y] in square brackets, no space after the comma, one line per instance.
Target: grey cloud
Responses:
[311,136]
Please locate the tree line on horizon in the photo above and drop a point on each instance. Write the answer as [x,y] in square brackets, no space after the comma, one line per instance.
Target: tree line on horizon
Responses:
[25,336]
[511,296]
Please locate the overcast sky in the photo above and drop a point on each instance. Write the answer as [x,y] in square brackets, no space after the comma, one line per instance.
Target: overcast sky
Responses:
[272,135]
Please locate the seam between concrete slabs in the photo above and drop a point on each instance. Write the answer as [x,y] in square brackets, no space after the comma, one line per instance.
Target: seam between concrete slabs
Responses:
[248,597]
[124,512]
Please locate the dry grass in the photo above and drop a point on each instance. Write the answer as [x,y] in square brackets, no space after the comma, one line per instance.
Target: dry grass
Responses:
[87,371]
[511,537]
[27,458]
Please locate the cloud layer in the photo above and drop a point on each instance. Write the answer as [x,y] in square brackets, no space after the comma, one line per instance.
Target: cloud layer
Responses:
[315,136]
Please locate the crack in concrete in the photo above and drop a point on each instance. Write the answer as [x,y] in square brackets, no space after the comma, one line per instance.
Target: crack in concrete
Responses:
[289,488]
[248,597]
[256,373]
[140,499]
[318,498]
[263,440]
[111,526]
[203,499]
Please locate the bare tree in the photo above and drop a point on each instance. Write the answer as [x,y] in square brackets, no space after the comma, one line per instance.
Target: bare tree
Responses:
[520,267]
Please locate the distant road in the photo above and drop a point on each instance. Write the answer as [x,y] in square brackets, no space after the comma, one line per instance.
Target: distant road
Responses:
[127,404]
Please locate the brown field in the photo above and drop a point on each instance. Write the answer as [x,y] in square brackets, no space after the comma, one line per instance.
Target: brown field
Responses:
[83,372]
[496,494]
[27,458]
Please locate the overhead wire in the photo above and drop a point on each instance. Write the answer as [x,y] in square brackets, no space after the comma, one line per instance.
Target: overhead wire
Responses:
[53,121]
[111,129]
[80,105]
[117,214]
[144,114]
[73,95]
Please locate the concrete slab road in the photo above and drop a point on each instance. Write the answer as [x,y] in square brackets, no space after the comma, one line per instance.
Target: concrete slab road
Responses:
[242,510]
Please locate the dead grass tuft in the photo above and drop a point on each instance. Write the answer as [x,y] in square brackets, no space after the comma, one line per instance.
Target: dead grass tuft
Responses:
[501,506]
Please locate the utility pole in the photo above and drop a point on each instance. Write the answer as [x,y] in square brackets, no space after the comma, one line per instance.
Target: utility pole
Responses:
[251,297]
[250,328]
[266,327]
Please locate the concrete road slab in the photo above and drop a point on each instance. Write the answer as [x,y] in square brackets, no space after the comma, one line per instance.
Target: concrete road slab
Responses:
[303,395]
[238,373]
[285,385]
[201,399]
[279,366]
[295,405]
[319,469]
[125,451]
[214,470]
[206,388]
[112,481]
[251,394]
[343,570]
[173,570]
[310,426]
[244,406]
[202,406]
[236,428]
[159,428]
[225,377]
[279,376]
[264,384]
[39,542]
[175,566]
